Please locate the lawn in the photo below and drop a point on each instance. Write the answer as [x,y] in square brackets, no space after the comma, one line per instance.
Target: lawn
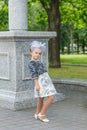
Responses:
[74,59]
[74,72]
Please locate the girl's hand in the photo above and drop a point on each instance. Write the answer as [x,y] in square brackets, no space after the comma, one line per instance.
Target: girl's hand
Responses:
[37,88]
[37,85]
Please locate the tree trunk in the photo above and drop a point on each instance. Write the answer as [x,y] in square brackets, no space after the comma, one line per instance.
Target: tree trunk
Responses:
[77,43]
[68,50]
[71,39]
[83,47]
[77,48]
[63,50]
[54,25]
[52,9]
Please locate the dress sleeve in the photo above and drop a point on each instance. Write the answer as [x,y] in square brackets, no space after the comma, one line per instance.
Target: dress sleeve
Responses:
[33,70]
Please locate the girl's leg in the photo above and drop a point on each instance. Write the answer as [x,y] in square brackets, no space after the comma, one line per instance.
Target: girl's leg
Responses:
[46,105]
[39,105]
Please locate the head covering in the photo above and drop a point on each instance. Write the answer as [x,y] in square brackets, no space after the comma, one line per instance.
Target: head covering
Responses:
[37,44]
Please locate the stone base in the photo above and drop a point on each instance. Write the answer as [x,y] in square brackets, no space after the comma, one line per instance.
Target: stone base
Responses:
[70,84]
[17,100]
[21,100]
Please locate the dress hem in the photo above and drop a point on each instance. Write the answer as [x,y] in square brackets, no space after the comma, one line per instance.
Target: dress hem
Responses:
[45,96]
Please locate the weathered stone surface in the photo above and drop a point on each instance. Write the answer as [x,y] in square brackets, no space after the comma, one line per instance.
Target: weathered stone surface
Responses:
[70,84]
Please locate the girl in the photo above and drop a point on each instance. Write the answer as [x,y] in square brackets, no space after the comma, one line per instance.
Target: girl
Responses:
[43,84]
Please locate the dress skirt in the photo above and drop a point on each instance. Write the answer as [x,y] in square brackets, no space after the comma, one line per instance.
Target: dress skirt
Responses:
[46,86]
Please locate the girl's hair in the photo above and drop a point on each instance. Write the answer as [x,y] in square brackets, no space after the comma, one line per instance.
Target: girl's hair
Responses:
[37,44]
[30,50]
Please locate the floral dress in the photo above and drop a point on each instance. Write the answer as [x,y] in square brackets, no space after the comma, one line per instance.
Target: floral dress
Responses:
[38,71]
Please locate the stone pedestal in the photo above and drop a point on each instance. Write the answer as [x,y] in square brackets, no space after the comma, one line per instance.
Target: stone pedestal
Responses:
[16,87]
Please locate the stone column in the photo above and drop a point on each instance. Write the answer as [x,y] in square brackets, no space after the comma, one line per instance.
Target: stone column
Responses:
[18,15]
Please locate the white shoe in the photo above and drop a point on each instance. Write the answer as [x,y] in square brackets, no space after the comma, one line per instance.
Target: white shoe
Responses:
[36,116]
[44,120]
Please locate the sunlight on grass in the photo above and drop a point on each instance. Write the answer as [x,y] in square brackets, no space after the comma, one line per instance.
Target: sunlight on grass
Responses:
[74,59]
[73,72]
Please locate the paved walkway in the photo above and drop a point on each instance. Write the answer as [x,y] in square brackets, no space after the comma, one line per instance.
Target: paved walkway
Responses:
[70,114]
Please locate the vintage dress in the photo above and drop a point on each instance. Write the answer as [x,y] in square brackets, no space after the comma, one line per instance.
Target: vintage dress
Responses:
[38,71]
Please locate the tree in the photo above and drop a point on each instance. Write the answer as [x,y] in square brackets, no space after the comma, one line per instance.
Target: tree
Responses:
[74,13]
[83,38]
[52,9]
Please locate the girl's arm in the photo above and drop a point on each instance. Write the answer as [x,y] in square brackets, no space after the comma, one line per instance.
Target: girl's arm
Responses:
[34,74]
[37,84]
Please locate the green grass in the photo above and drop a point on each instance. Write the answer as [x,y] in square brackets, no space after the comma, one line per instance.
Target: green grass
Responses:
[73,72]
[74,59]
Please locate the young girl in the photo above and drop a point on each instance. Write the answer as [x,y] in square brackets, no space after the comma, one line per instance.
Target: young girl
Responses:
[43,84]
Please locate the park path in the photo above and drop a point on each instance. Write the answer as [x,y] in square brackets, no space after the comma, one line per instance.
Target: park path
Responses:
[70,114]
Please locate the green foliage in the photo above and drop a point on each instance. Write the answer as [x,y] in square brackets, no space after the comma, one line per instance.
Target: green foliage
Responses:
[74,12]
[45,4]
[3,17]
[83,34]
[42,20]
[37,18]
[64,37]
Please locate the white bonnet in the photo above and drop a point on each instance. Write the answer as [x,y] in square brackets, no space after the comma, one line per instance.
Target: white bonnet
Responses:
[37,44]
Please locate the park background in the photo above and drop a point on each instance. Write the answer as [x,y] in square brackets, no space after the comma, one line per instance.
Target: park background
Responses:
[68,50]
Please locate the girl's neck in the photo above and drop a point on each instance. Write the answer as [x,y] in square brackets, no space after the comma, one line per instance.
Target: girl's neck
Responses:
[34,59]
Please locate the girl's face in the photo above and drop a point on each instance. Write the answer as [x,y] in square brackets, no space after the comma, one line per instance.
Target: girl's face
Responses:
[36,53]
